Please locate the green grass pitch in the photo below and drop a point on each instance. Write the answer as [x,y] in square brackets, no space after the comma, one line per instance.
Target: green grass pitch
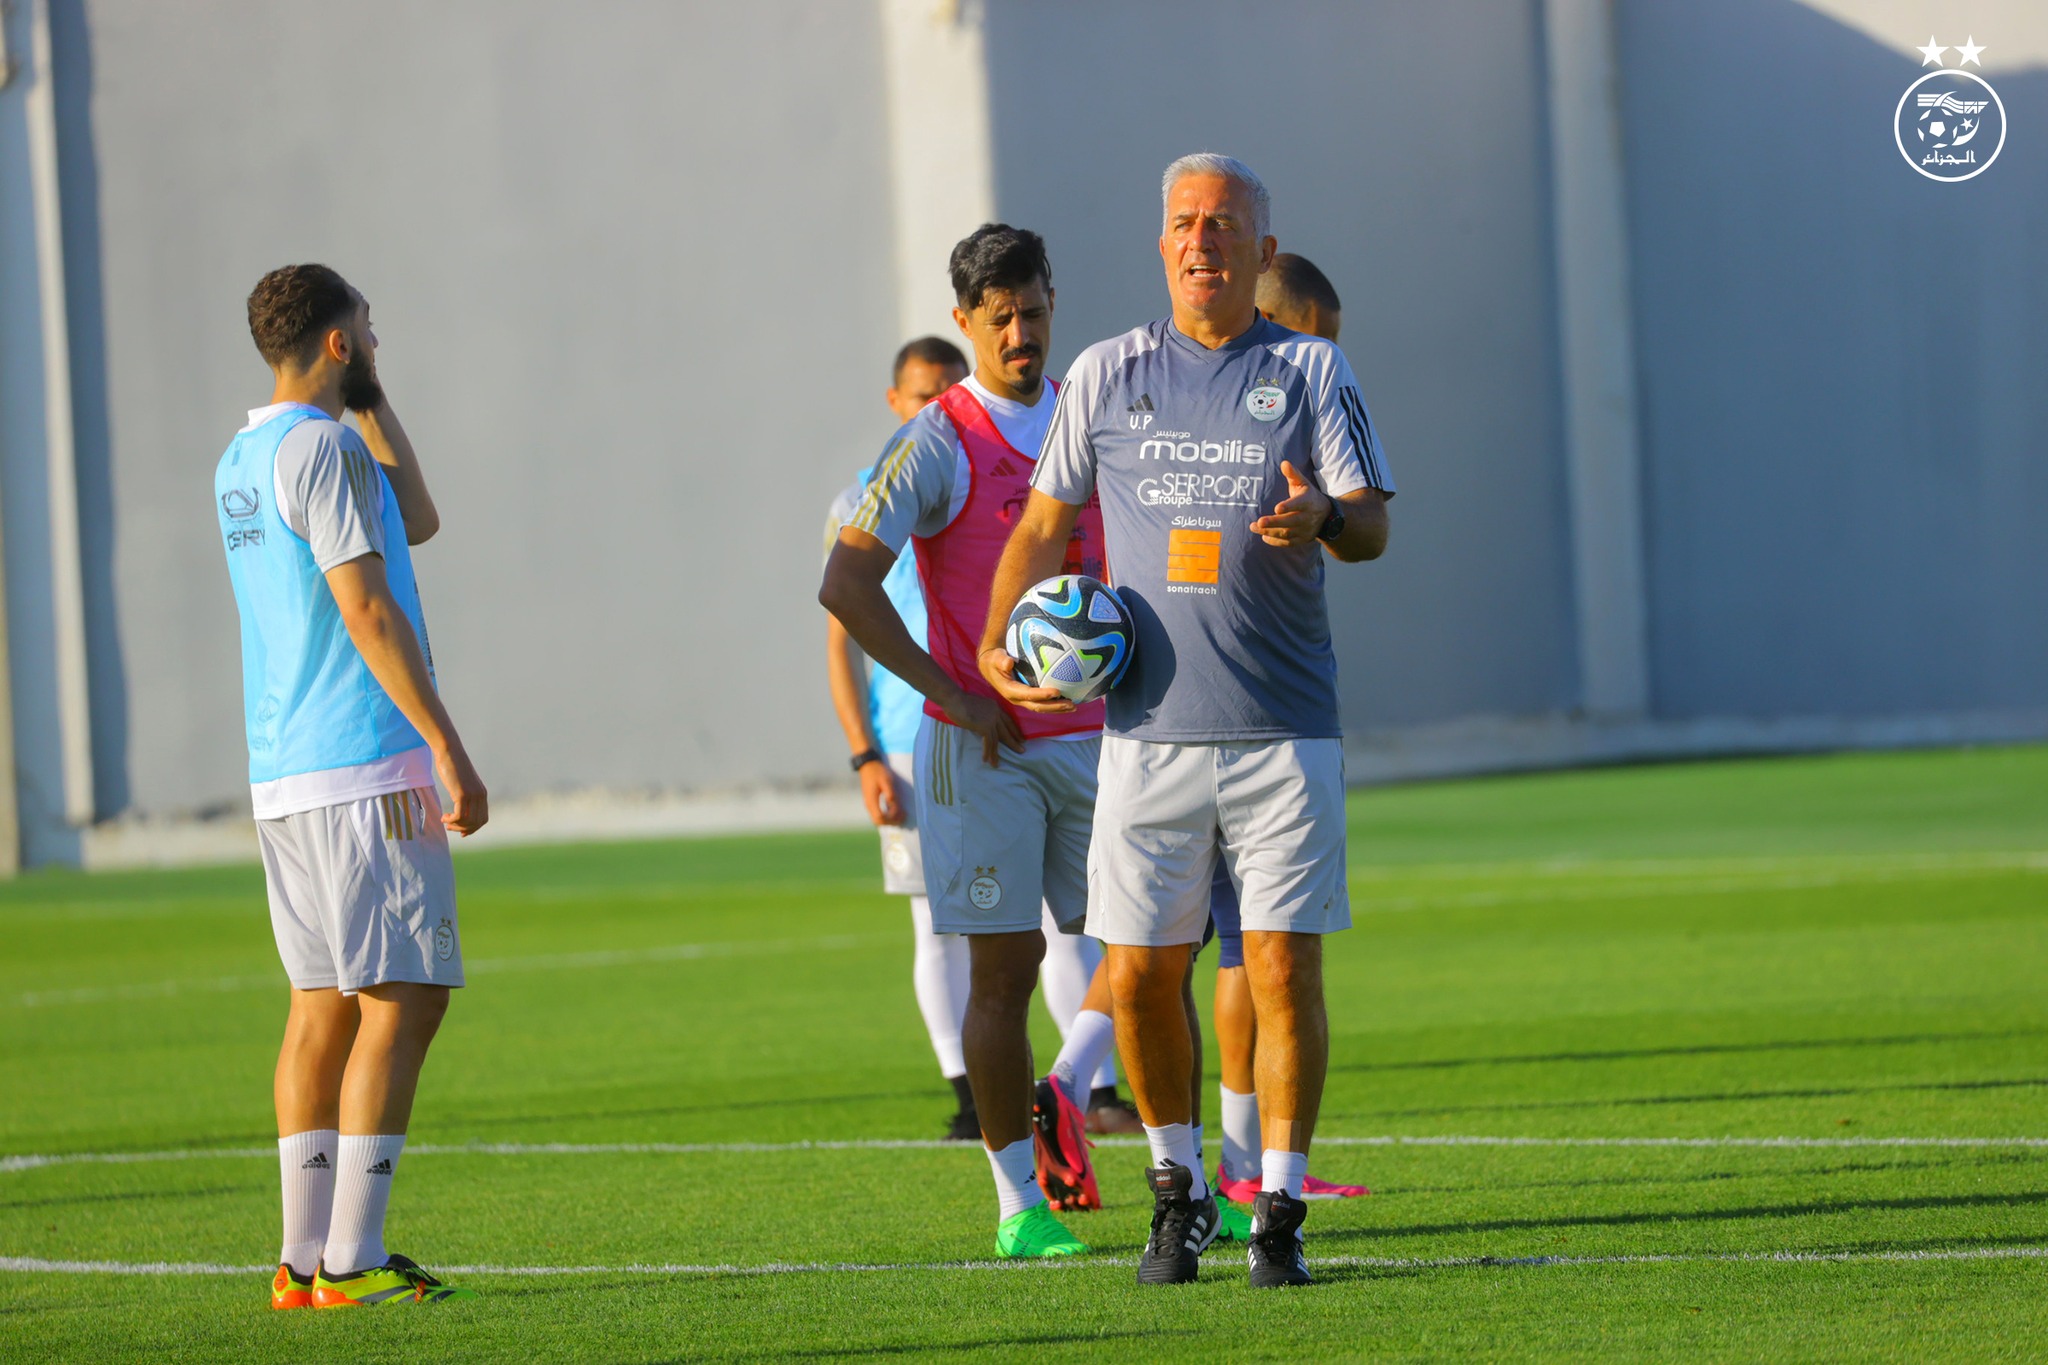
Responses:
[1842,950]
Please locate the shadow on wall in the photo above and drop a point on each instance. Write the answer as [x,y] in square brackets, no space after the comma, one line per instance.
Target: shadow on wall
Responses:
[1847,509]
[78,167]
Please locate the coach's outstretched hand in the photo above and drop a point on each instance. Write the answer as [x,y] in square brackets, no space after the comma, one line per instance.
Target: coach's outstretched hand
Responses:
[997,727]
[1295,521]
[1001,671]
[471,803]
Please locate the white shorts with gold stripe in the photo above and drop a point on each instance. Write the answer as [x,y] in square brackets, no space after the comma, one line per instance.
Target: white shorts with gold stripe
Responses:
[1000,841]
[363,893]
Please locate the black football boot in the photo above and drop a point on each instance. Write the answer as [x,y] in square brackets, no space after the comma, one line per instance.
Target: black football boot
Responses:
[1275,1254]
[1182,1228]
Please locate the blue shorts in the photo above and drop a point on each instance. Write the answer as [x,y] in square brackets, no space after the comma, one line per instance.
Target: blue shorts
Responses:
[1224,920]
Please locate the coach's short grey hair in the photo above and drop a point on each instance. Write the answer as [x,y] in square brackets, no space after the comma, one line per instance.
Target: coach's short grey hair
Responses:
[1230,168]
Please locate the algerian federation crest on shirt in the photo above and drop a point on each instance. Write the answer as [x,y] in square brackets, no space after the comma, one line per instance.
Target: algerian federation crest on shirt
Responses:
[1266,403]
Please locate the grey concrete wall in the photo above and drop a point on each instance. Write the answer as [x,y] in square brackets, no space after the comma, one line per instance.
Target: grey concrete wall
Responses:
[633,267]
[1405,148]
[1844,420]
[630,266]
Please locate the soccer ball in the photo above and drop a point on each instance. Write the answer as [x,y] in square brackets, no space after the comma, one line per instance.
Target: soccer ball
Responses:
[1072,634]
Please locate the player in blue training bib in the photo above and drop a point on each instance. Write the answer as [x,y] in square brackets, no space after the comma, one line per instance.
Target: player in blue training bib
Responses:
[346,736]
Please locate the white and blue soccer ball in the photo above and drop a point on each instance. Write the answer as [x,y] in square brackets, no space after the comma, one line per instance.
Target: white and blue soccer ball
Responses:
[1072,634]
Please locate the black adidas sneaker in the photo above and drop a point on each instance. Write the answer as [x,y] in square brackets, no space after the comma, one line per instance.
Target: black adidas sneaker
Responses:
[1275,1254]
[1182,1228]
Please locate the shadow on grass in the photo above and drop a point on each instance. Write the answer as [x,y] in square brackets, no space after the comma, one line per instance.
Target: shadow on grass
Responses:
[1811,1209]
[1711,1097]
[1621,1259]
[452,1121]
[1694,1050]
[132,1196]
[1910,1159]
[943,1349]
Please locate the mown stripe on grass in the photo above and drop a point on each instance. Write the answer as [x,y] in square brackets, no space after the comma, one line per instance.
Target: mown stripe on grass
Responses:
[33,1265]
[31,1161]
[542,962]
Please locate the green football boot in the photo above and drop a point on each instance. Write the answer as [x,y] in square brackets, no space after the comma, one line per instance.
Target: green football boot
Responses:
[1233,1222]
[397,1281]
[1035,1232]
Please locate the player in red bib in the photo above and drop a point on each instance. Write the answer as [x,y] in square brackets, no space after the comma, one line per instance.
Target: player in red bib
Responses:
[1005,798]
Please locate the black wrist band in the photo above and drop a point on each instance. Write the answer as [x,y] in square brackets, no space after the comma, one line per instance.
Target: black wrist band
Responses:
[863,758]
[1333,524]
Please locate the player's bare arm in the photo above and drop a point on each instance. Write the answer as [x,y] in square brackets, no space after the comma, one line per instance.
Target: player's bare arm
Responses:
[385,638]
[849,692]
[1032,554]
[852,591]
[392,448]
[1302,514]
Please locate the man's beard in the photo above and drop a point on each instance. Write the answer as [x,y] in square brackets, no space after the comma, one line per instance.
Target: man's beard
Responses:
[360,390]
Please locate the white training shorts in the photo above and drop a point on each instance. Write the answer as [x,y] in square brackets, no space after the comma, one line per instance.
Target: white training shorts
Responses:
[1273,810]
[902,858]
[363,893]
[998,841]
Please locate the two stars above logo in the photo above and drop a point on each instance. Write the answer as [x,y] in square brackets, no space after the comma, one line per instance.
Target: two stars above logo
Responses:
[1967,53]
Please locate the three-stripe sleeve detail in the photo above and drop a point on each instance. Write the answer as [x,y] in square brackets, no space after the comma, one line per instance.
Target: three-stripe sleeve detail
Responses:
[1360,426]
[868,515]
[362,481]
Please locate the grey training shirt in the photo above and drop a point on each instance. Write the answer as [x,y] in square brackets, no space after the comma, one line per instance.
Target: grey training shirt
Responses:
[1185,444]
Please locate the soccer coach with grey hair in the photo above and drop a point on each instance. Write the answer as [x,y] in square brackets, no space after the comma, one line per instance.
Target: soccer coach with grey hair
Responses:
[1231,455]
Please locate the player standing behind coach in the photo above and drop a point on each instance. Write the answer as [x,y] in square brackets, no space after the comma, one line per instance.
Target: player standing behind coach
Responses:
[1300,298]
[880,716]
[346,736]
[1224,734]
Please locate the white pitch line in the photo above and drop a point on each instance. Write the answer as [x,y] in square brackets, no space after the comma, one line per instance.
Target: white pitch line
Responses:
[33,1265]
[544,962]
[32,1161]
[1990,860]
[1488,1140]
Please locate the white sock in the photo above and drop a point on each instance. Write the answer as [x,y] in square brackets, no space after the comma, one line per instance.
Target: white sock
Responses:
[1016,1177]
[305,1162]
[939,971]
[1090,1039]
[1175,1142]
[1201,1155]
[1283,1171]
[1105,1074]
[1240,1134]
[362,1192]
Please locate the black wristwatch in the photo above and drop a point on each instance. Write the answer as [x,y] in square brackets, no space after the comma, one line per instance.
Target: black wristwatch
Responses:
[1333,524]
[863,758]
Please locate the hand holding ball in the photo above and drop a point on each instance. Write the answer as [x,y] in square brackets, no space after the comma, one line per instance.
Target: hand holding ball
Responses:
[1072,634]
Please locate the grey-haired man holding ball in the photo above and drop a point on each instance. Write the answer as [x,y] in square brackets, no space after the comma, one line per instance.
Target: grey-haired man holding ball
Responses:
[1230,455]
